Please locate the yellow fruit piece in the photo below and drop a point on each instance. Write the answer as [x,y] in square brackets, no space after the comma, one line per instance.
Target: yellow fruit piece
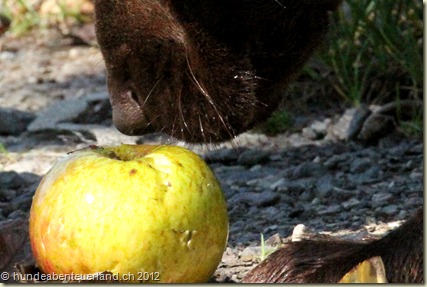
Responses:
[369,271]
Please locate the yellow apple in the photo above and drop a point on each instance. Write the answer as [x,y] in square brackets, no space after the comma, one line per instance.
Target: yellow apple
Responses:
[143,213]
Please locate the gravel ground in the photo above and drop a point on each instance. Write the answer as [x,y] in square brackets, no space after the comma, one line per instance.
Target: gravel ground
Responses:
[53,100]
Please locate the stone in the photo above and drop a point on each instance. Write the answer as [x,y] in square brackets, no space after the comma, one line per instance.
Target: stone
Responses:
[14,122]
[308,169]
[390,210]
[359,165]
[352,202]
[262,199]
[252,157]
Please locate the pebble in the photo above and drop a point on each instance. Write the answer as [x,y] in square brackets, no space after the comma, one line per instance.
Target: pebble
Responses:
[308,169]
[90,109]
[7,194]
[252,157]
[14,122]
[10,180]
[257,199]
[329,209]
[390,210]
[352,202]
[359,165]
[325,186]
[223,155]
[382,198]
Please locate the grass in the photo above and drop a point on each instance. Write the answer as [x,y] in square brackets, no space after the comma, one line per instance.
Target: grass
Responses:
[375,50]
[264,252]
[24,16]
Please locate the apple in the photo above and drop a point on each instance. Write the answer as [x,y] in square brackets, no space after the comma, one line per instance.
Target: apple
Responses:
[142,212]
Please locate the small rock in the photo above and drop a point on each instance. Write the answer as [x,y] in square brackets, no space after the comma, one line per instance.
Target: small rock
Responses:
[256,167]
[370,176]
[325,186]
[340,129]
[337,160]
[308,169]
[10,180]
[270,211]
[390,210]
[307,195]
[297,187]
[223,155]
[296,212]
[14,122]
[381,198]
[274,240]
[356,123]
[98,110]
[59,112]
[228,169]
[359,165]
[29,178]
[352,202]
[252,157]
[23,201]
[17,214]
[7,194]
[316,201]
[275,185]
[414,201]
[270,228]
[262,199]
[333,209]
[309,133]
[317,130]
[375,127]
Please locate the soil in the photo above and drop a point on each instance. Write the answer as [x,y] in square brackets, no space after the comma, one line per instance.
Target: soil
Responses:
[53,99]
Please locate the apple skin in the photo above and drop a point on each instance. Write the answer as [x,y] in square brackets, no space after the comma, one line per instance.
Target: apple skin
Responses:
[130,209]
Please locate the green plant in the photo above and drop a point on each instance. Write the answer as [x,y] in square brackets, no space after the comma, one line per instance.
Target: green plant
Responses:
[3,149]
[279,122]
[264,251]
[374,45]
[24,16]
